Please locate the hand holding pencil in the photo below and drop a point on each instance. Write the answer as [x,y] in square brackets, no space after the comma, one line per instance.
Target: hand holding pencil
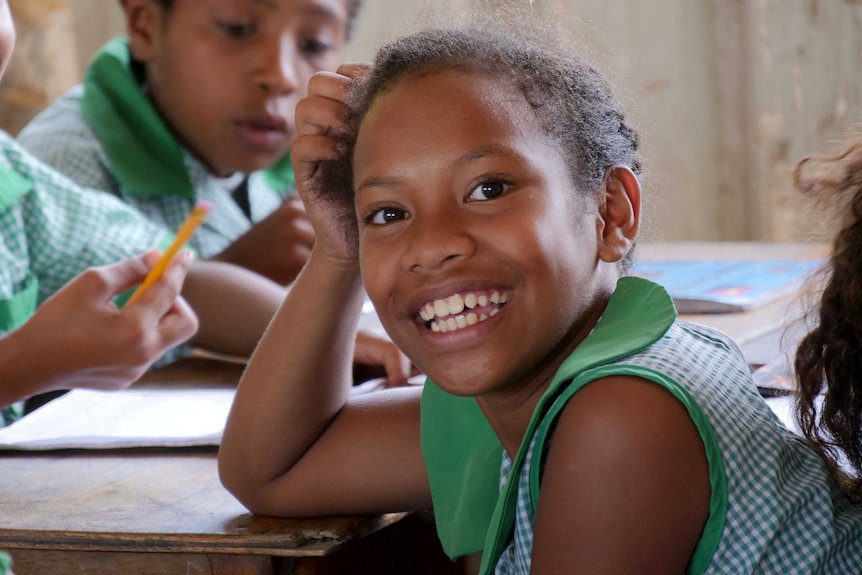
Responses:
[186,231]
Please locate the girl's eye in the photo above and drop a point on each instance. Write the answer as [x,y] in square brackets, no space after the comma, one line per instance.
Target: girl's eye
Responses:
[488,191]
[385,216]
[237,29]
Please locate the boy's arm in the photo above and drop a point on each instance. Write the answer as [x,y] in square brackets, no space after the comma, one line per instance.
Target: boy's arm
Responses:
[295,443]
[79,338]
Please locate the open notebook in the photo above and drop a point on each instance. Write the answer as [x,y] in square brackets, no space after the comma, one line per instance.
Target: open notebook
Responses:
[142,417]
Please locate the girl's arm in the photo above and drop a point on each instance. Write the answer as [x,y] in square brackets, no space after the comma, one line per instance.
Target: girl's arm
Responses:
[625,486]
[295,443]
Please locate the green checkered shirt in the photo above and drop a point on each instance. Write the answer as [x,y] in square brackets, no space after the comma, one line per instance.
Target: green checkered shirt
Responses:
[52,229]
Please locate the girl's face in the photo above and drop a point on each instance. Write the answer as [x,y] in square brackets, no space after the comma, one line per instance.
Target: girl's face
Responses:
[479,256]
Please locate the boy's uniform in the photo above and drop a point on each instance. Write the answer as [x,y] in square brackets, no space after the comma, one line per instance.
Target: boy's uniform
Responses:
[52,229]
[774,508]
[107,135]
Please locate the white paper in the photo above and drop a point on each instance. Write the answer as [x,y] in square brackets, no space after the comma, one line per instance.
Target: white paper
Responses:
[90,419]
[142,417]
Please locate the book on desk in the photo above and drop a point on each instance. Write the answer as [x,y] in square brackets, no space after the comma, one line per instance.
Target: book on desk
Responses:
[725,286]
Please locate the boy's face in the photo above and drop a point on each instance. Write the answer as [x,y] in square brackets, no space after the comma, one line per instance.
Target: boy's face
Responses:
[226,74]
[479,255]
[7,35]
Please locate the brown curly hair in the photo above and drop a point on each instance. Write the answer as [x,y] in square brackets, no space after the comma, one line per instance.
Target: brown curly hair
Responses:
[829,358]
[572,101]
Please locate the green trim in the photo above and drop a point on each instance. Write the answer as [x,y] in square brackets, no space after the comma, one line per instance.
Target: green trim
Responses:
[280,176]
[5,563]
[13,186]
[145,156]
[21,306]
[465,471]
[712,531]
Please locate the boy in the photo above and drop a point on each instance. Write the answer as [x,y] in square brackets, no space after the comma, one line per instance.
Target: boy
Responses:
[51,229]
[197,104]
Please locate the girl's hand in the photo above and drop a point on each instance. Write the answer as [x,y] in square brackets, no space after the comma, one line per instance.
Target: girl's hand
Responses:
[79,338]
[320,118]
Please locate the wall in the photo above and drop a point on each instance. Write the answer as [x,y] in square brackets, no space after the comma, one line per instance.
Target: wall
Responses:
[728,94]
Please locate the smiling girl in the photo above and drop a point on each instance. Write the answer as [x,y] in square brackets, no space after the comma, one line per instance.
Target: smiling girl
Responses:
[484,192]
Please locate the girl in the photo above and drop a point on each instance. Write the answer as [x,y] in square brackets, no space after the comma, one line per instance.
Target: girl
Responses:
[484,191]
[827,359]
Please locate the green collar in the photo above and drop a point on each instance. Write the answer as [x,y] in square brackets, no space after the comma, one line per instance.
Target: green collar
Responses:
[145,156]
[13,186]
[471,512]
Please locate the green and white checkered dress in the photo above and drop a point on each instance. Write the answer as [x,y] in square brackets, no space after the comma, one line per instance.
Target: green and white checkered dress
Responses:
[775,508]
[123,147]
[784,513]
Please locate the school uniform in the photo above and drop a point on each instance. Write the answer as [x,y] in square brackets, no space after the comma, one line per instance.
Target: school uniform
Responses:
[52,229]
[774,508]
[107,135]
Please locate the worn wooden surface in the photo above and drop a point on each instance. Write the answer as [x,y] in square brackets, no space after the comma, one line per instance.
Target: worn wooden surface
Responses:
[164,511]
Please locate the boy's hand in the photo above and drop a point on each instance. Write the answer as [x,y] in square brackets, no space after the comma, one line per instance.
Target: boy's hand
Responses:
[276,247]
[376,350]
[320,118]
[79,338]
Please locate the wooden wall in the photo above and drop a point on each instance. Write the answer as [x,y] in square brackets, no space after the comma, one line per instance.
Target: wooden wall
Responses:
[728,94]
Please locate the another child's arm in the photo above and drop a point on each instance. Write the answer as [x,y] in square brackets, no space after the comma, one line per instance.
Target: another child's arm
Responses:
[276,247]
[295,443]
[234,306]
[625,486]
[79,338]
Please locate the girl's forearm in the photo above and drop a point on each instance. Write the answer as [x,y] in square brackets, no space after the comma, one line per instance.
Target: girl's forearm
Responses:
[297,381]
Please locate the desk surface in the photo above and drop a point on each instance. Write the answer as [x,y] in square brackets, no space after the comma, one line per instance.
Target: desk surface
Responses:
[761,333]
[164,511]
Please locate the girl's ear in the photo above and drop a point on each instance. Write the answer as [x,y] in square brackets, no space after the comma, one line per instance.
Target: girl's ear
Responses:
[143,26]
[619,214]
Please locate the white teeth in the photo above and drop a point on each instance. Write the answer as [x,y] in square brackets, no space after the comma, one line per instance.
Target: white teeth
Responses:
[446,315]
[456,304]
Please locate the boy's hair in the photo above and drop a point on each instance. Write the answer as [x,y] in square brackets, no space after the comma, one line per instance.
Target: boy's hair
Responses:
[830,355]
[353,7]
[571,101]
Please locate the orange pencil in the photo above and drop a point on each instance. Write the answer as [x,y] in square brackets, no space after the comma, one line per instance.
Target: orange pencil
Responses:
[195,219]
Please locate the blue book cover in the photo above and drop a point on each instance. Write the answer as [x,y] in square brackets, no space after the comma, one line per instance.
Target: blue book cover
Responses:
[724,286]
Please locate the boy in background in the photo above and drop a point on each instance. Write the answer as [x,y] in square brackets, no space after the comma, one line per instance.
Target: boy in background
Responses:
[197,103]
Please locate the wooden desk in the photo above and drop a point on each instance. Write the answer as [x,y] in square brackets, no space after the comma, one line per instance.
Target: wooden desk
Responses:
[159,511]
[763,333]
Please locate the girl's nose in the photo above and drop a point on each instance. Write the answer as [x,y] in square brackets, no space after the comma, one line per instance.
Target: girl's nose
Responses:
[437,241]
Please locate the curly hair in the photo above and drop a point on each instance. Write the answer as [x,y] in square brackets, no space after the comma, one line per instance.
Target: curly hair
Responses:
[571,100]
[829,358]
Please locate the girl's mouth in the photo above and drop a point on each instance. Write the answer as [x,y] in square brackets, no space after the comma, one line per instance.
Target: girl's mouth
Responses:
[462,310]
